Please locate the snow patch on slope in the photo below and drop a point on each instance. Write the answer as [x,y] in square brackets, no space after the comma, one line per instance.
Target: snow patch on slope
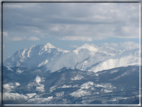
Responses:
[23,55]
[30,95]
[77,77]
[40,100]
[60,94]
[87,85]
[8,68]
[43,63]
[38,80]
[107,86]
[29,51]
[17,83]
[19,71]
[107,91]
[52,88]
[14,96]
[40,88]
[113,63]
[37,84]
[66,86]
[113,71]
[10,86]
[80,93]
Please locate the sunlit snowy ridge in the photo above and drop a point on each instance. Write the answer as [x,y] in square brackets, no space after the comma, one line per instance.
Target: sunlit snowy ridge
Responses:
[87,57]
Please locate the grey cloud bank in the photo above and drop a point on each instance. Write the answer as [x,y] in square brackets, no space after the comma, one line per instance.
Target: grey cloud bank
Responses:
[71,21]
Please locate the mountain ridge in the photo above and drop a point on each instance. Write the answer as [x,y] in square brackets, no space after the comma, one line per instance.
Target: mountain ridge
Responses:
[71,86]
[82,58]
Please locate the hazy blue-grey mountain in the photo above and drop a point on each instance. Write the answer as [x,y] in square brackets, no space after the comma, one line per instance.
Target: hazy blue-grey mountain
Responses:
[71,86]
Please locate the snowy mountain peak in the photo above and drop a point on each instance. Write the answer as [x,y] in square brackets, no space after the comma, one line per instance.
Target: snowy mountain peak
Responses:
[45,48]
[48,45]
[88,47]
[87,57]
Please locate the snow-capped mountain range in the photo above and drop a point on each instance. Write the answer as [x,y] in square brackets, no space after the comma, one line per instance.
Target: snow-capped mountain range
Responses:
[87,57]
[56,76]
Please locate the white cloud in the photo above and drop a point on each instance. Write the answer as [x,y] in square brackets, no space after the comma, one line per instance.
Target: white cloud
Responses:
[20,5]
[14,6]
[36,31]
[123,45]
[73,21]
[18,38]
[5,34]
[73,46]
[77,38]
[55,28]
[129,45]
[33,38]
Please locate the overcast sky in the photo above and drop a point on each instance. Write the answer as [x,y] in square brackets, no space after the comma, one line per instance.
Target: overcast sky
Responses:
[68,24]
